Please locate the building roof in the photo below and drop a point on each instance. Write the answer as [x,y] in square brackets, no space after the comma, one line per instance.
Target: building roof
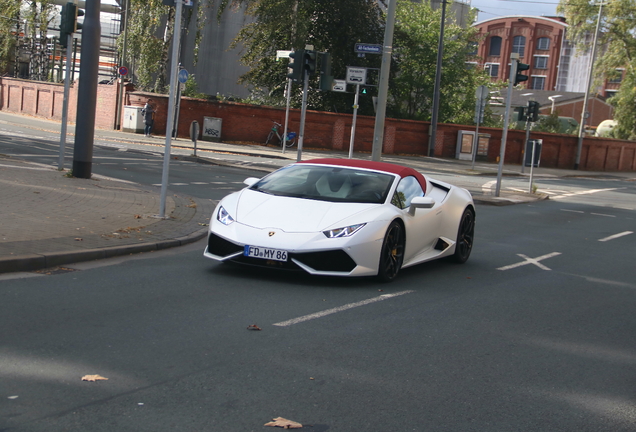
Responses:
[554,20]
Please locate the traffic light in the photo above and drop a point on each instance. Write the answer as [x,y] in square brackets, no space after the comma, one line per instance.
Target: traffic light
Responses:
[326,79]
[533,111]
[68,24]
[521,113]
[521,77]
[296,65]
[309,62]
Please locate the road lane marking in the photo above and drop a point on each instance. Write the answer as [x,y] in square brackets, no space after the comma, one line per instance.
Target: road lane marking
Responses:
[529,260]
[615,236]
[573,211]
[340,309]
[487,187]
[601,214]
[585,192]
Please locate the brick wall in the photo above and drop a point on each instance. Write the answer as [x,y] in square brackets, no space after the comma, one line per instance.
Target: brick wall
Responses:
[323,130]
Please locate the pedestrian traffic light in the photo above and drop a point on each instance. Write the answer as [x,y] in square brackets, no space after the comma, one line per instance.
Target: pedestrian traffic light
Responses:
[69,24]
[533,111]
[295,71]
[326,79]
[309,62]
[521,77]
[521,113]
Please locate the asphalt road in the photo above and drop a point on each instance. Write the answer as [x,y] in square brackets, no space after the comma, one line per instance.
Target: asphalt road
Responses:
[534,333]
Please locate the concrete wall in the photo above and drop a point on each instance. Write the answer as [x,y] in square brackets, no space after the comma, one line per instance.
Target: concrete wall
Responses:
[244,123]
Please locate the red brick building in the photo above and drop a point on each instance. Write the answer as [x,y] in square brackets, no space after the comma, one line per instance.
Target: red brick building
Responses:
[537,40]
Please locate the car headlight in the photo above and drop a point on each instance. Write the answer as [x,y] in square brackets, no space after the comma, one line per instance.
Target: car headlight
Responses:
[224,217]
[343,232]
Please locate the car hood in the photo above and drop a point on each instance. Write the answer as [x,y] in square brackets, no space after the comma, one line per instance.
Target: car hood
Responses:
[260,210]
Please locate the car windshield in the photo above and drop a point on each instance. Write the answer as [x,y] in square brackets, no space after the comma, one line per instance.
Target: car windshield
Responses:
[326,183]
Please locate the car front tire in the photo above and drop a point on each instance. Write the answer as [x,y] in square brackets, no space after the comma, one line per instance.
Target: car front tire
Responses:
[465,237]
[392,254]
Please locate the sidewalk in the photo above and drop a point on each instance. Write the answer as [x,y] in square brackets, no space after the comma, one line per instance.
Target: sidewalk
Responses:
[51,220]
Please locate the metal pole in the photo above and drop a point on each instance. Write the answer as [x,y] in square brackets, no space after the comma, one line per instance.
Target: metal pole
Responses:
[438,79]
[353,123]
[513,73]
[534,146]
[67,89]
[87,92]
[383,89]
[475,144]
[120,98]
[286,126]
[303,112]
[169,123]
[525,144]
[175,129]
[579,146]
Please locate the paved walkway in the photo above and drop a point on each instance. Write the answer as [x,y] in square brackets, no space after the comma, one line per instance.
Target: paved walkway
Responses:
[50,220]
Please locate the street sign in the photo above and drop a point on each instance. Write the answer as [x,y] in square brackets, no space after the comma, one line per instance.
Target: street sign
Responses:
[183,76]
[356,75]
[364,48]
[123,71]
[282,54]
[339,86]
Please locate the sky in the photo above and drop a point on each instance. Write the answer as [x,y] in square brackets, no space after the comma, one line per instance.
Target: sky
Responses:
[489,9]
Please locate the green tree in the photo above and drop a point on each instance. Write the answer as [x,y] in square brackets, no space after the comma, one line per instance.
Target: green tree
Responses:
[332,26]
[549,123]
[617,47]
[150,31]
[9,31]
[414,58]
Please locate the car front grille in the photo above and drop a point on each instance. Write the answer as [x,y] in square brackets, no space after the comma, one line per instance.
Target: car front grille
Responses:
[332,260]
[221,247]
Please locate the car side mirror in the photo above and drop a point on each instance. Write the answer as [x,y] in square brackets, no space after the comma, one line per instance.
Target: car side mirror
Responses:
[421,202]
[250,181]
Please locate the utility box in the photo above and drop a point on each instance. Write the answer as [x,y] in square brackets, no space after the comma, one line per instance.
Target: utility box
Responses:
[133,119]
[538,144]
[212,129]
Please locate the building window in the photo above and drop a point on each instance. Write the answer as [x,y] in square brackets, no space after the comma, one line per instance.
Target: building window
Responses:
[610,93]
[492,69]
[519,45]
[543,43]
[541,62]
[495,46]
[615,77]
[538,83]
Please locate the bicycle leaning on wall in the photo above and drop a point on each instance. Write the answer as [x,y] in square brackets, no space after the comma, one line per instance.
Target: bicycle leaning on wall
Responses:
[275,135]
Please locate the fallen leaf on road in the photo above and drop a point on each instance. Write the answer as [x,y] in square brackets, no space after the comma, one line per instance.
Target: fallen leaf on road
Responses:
[94,378]
[253,327]
[284,423]
[78,239]
[137,216]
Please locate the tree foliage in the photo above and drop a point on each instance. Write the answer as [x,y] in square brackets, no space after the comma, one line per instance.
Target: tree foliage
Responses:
[24,24]
[617,49]
[149,37]
[332,26]
[414,65]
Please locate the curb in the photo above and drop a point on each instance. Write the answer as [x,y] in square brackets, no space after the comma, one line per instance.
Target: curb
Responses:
[32,262]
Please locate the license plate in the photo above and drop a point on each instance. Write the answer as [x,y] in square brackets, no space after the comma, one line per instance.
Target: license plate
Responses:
[265,253]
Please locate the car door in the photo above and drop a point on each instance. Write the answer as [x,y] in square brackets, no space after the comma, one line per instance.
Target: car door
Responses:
[422,225]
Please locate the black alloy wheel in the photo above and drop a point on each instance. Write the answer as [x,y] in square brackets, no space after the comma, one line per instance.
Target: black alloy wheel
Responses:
[392,254]
[465,237]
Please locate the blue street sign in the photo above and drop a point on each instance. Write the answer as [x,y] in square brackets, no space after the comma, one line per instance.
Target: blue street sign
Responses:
[183,76]
[368,48]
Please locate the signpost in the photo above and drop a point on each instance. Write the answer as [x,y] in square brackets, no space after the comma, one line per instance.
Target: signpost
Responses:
[364,48]
[356,75]
[123,71]
[481,94]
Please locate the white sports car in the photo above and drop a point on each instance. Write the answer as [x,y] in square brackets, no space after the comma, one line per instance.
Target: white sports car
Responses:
[343,217]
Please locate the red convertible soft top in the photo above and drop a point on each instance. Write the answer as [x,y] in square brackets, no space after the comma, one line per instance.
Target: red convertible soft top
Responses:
[400,170]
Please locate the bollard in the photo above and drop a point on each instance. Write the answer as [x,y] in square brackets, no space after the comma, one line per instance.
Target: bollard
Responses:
[194,134]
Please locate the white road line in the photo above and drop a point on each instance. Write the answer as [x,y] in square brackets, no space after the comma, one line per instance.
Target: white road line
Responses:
[585,192]
[573,211]
[601,214]
[487,187]
[340,309]
[199,183]
[178,184]
[615,236]
[529,260]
